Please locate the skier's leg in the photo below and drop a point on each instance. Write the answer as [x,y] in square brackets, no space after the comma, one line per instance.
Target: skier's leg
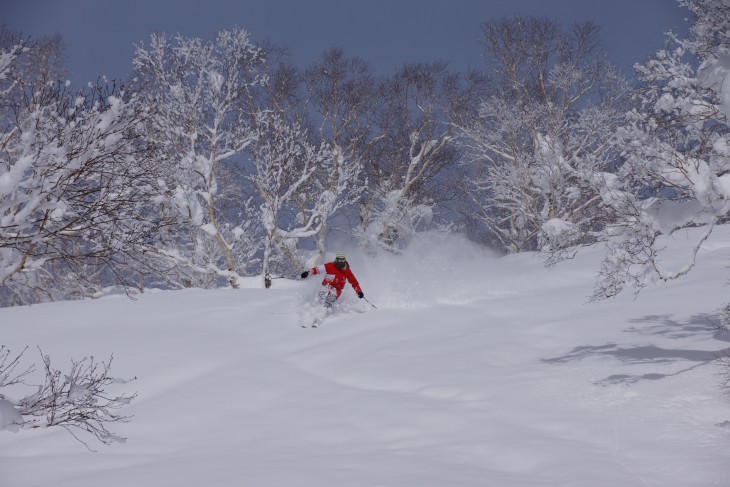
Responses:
[330,300]
[327,297]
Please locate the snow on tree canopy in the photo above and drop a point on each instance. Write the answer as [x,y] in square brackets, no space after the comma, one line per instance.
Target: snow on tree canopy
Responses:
[715,73]
[556,226]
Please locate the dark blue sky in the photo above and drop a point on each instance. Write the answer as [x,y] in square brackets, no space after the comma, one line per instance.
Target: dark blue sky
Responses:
[100,34]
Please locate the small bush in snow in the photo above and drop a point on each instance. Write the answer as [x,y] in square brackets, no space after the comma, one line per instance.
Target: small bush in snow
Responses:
[76,400]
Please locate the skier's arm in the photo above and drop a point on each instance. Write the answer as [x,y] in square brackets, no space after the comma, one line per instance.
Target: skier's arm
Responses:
[314,271]
[355,285]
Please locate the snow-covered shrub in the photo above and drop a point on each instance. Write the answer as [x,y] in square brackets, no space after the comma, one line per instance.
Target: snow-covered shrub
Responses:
[76,400]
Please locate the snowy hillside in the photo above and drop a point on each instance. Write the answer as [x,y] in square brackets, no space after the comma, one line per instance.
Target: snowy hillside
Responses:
[473,371]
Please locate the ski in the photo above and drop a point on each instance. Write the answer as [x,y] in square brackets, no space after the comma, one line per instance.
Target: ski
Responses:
[313,324]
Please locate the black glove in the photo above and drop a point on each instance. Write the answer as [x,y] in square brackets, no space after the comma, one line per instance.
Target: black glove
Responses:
[361,295]
[305,274]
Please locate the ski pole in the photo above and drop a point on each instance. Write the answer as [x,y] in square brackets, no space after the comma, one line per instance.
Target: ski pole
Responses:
[371,304]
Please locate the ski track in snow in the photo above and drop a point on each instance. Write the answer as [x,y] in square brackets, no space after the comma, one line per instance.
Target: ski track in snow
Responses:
[473,371]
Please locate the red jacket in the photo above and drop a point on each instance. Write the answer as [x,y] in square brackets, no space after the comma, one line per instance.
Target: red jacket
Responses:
[335,278]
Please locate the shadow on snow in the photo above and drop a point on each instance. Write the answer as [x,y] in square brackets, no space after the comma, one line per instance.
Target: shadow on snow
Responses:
[657,325]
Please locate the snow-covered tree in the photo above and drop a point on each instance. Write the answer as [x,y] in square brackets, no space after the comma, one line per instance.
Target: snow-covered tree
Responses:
[292,206]
[676,172]
[77,189]
[341,91]
[414,144]
[196,89]
[539,145]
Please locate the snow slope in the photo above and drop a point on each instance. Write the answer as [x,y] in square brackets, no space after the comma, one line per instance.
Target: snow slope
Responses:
[473,371]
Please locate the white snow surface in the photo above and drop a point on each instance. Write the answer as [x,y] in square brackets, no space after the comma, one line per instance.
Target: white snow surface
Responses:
[474,371]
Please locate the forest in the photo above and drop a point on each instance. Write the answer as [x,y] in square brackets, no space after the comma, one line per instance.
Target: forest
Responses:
[219,159]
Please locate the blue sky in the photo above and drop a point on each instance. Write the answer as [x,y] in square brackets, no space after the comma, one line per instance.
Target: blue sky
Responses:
[100,34]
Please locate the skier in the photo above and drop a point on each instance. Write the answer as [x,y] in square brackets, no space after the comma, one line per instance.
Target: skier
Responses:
[335,273]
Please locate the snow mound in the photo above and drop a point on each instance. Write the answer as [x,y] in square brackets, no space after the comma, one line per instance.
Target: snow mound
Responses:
[10,418]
